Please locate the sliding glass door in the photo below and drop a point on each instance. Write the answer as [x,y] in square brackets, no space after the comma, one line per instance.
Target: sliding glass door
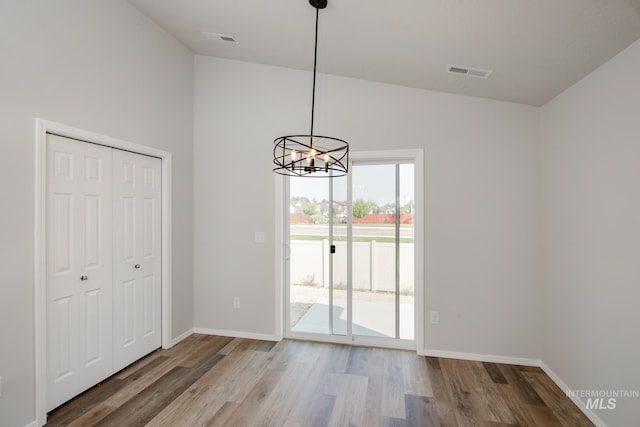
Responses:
[383,250]
[318,255]
[351,263]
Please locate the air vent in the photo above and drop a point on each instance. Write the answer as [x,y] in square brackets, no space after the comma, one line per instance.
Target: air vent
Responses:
[219,37]
[467,71]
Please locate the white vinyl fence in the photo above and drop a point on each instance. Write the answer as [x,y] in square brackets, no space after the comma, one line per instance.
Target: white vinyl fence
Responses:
[373,264]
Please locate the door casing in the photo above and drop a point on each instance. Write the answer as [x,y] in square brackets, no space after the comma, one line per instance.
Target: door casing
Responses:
[42,128]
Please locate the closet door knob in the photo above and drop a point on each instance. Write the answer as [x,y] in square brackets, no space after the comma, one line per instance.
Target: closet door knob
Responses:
[136,266]
[84,277]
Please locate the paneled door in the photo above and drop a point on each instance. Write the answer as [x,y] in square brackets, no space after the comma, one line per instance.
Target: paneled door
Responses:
[79,267]
[137,256]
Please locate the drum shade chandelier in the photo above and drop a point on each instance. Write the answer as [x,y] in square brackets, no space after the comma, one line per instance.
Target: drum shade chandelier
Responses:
[311,155]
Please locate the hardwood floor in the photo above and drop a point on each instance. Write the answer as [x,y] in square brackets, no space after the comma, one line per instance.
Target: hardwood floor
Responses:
[218,381]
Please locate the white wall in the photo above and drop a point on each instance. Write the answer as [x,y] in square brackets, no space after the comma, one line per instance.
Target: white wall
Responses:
[480,168]
[100,66]
[590,214]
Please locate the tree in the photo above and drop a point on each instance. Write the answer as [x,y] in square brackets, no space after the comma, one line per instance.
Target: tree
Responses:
[310,208]
[388,208]
[360,208]
[298,204]
[373,207]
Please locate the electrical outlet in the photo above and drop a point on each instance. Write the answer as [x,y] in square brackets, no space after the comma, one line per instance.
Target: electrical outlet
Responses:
[258,237]
[435,317]
[236,302]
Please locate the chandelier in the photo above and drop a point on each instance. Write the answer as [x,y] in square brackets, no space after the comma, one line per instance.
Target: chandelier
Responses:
[311,155]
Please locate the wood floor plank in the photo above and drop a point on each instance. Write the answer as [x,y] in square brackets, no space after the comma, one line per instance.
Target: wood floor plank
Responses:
[265,346]
[285,355]
[218,381]
[520,385]
[337,365]
[532,369]
[149,402]
[444,407]
[145,405]
[340,358]
[310,392]
[278,404]
[214,345]
[393,422]
[358,360]
[237,378]
[543,416]
[421,411]
[348,408]
[393,387]
[318,413]
[230,346]
[373,405]
[223,416]
[140,380]
[92,417]
[416,374]
[496,424]
[84,403]
[521,411]
[466,408]
[563,408]
[492,406]
[229,381]
[186,346]
[245,412]
[494,372]
[135,367]
[196,406]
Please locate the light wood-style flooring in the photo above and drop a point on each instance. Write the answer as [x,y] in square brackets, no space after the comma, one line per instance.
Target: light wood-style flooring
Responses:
[219,381]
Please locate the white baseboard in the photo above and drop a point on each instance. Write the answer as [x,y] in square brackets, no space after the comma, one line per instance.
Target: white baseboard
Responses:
[34,424]
[236,334]
[182,336]
[480,357]
[579,403]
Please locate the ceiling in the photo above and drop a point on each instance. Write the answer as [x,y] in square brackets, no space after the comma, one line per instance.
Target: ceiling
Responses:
[536,49]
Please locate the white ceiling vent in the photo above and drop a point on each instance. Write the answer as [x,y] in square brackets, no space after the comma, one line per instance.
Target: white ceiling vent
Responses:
[219,37]
[467,71]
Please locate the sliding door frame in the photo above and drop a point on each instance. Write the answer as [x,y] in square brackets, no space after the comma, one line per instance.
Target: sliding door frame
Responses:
[283,250]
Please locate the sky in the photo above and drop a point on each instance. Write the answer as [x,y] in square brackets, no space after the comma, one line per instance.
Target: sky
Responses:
[370,182]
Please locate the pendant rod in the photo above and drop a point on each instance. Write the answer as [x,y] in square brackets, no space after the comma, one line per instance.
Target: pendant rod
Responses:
[315,60]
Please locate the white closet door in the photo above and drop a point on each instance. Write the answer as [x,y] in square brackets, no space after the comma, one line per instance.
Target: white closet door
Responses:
[137,256]
[79,267]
